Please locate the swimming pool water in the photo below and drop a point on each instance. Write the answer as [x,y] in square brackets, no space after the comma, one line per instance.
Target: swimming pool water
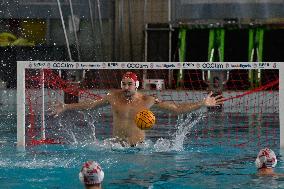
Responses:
[200,152]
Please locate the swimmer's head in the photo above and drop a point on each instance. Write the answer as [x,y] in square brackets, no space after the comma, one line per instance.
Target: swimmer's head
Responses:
[129,84]
[266,158]
[91,173]
[129,76]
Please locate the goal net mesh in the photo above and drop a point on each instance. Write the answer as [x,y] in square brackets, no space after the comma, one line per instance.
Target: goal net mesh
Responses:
[249,115]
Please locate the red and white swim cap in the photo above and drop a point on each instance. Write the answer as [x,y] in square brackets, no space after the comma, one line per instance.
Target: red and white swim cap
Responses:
[266,158]
[132,76]
[91,173]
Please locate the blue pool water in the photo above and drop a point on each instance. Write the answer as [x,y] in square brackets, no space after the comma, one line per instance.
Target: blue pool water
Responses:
[198,151]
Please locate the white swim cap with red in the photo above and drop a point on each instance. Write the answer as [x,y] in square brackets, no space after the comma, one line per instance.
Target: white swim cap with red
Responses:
[266,158]
[132,76]
[91,173]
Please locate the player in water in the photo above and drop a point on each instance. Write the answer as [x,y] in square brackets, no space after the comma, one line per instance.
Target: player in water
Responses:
[265,162]
[91,175]
[127,102]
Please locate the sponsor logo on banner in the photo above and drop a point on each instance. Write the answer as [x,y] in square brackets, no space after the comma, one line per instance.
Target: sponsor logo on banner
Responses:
[63,65]
[188,65]
[84,65]
[198,65]
[122,65]
[159,66]
[145,66]
[38,64]
[93,66]
[169,66]
[235,65]
[263,65]
[227,65]
[274,65]
[245,65]
[241,65]
[112,65]
[212,65]
[133,65]
[104,65]
[136,65]
[178,65]
[151,65]
[254,65]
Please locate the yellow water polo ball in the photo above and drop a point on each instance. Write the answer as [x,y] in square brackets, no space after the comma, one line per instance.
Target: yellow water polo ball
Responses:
[145,119]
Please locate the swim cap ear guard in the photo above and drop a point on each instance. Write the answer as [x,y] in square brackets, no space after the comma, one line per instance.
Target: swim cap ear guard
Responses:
[136,84]
[91,173]
[266,158]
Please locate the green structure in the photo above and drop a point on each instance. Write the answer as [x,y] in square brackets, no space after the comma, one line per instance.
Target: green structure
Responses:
[255,54]
[216,46]
[216,49]
[182,55]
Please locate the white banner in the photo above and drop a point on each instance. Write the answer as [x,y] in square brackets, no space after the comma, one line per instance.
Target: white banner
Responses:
[150,65]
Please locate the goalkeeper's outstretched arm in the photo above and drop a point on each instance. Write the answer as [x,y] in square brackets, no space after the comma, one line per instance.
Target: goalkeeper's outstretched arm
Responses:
[179,108]
[88,104]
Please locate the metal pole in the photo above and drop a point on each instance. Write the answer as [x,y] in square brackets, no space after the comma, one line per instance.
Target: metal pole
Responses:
[130,30]
[101,29]
[169,11]
[170,73]
[145,47]
[43,107]
[118,50]
[100,17]
[47,36]
[74,30]
[92,22]
[114,37]
[92,17]
[145,29]
[21,98]
[64,30]
[122,29]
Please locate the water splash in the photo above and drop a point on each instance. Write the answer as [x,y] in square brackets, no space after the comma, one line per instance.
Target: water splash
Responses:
[79,129]
[73,137]
[184,126]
